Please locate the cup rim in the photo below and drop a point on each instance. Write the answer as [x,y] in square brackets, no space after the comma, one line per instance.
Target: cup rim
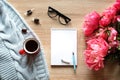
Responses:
[29,52]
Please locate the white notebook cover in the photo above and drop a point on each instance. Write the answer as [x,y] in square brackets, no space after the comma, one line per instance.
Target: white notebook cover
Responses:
[63,44]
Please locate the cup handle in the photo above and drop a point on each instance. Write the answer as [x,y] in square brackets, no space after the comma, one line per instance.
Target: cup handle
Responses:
[22,51]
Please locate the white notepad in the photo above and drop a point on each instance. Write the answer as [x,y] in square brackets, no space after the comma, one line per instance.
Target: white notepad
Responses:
[63,44]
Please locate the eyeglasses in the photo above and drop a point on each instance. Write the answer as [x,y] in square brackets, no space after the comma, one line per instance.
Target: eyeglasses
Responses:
[52,13]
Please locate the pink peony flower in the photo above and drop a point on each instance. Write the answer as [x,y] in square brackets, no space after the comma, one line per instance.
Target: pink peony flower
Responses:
[98,44]
[108,15]
[113,34]
[117,5]
[102,38]
[105,21]
[94,61]
[102,33]
[91,23]
[116,19]
[110,12]
[117,0]
[112,38]
[113,44]
[96,51]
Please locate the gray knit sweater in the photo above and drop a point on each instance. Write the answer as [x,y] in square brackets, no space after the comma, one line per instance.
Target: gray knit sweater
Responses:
[12,64]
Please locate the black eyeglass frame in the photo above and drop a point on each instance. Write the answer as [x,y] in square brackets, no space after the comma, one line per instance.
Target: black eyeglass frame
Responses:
[67,19]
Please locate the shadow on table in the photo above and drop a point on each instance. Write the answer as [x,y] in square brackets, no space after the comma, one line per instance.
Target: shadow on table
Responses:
[111,71]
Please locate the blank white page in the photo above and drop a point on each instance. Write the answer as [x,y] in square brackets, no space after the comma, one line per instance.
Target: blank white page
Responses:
[63,44]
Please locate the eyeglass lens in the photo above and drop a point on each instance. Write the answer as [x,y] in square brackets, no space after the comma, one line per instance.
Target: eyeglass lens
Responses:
[63,20]
[51,13]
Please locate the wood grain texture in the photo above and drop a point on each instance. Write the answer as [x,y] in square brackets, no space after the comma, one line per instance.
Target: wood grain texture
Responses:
[76,10]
